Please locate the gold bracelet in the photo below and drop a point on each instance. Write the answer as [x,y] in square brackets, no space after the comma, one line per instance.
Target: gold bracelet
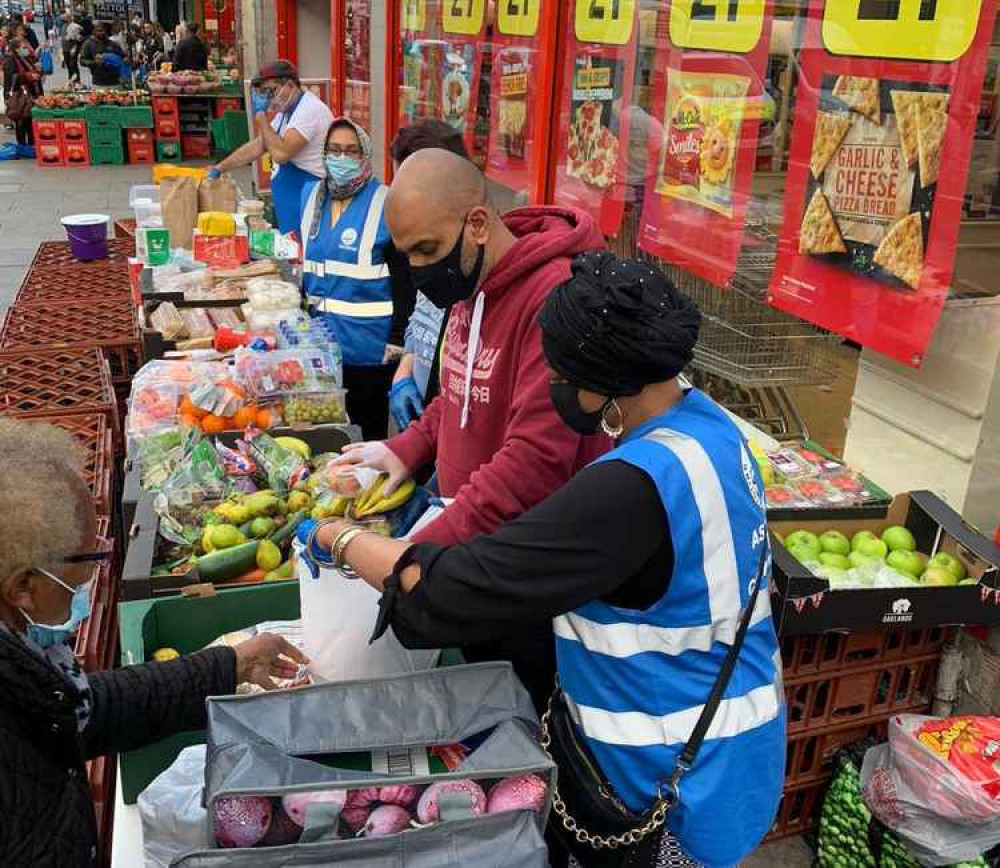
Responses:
[341,543]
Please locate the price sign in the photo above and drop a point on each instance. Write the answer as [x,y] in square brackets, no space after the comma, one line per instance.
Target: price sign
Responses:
[605,21]
[518,17]
[928,30]
[733,26]
[464,16]
[415,15]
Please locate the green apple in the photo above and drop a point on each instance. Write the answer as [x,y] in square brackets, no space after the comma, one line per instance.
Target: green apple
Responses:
[861,535]
[950,563]
[905,562]
[835,543]
[938,576]
[803,553]
[873,547]
[970,581]
[899,539]
[832,559]
[832,574]
[803,538]
[859,559]
[923,560]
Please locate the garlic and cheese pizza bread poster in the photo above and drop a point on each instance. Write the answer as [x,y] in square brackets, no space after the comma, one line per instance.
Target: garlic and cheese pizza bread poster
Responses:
[709,98]
[592,137]
[463,24]
[885,115]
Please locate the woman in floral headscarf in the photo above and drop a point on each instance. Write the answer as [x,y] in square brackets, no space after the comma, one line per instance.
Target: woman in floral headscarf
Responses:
[345,277]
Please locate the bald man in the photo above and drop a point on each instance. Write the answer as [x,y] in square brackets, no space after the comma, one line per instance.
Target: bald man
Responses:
[499,445]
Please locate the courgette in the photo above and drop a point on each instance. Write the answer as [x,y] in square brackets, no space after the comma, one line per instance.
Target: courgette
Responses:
[284,533]
[226,564]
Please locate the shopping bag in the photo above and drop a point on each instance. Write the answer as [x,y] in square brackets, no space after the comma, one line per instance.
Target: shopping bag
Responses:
[45,62]
[172,813]
[179,207]
[217,194]
[19,104]
[450,750]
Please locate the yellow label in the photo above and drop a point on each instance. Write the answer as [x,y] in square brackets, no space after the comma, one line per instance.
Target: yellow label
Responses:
[518,17]
[464,16]
[514,85]
[733,26]
[267,164]
[605,21]
[414,15]
[933,30]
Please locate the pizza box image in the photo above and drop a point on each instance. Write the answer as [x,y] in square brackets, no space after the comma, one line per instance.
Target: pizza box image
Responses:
[805,603]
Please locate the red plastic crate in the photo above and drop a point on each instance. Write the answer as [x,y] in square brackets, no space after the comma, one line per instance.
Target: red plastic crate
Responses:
[92,432]
[46,285]
[73,130]
[139,154]
[49,155]
[76,154]
[798,811]
[196,146]
[227,104]
[46,132]
[861,696]
[167,128]
[102,775]
[827,653]
[50,382]
[810,756]
[109,323]
[58,254]
[125,228]
[139,136]
[90,643]
[166,106]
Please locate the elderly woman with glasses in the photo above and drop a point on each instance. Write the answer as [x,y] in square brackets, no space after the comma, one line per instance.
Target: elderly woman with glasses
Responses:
[345,275]
[53,716]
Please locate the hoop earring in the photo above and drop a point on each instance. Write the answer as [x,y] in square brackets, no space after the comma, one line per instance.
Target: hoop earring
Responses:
[617,431]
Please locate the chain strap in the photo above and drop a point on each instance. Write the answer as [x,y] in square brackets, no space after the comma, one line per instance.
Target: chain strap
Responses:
[657,817]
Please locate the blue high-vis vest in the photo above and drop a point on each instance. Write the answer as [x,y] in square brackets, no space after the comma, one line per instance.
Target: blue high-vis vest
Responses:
[345,277]
[636,681]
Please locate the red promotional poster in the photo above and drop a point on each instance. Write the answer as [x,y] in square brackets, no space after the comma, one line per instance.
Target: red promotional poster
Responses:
[593,129]
[885,117]
[709,98]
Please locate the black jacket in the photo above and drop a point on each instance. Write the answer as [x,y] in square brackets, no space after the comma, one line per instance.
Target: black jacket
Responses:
[46,813]
[190,53]
[102,76]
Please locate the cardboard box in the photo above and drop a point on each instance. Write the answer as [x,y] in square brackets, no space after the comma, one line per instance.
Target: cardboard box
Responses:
[804,603]
[220,251]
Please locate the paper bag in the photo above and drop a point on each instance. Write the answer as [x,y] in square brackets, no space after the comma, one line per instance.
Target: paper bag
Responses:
[217,194]
[179,206]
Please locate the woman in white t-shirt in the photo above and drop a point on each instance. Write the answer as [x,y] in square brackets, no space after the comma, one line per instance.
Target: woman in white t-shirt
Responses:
[294,137]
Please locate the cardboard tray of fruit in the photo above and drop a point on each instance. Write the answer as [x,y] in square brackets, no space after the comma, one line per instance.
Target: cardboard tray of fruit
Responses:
[946,572]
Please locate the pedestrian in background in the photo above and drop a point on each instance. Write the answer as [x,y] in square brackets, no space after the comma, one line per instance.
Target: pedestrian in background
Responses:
[71,45]
[92,56]
[22,77]
[190,52]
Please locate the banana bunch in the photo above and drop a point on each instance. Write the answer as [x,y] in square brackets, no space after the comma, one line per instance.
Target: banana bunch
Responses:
[371,501]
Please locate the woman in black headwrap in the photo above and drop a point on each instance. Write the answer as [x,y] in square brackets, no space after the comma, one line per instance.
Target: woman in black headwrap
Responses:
[652,563]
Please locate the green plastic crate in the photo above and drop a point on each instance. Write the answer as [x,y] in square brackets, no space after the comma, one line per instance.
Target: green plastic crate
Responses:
[42,114]
[103,136]
[105,115]
[107,155]
[136,117]
[168,151]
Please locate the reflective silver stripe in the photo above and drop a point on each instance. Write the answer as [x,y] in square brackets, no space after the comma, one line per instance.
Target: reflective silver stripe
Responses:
[307,217]
[370,231]
[310,267]
[356,272]
[369,309]
[635,729]
[622,639]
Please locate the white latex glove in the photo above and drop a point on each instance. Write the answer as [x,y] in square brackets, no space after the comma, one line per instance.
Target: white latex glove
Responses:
[378,456]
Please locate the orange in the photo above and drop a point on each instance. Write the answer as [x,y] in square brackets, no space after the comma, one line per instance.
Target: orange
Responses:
[264,419]
[213,424]
[245,417]
[188,406]
[189,420]
[229,422]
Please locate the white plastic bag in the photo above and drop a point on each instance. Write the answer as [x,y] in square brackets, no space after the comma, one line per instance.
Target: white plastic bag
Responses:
[937,785]
[174,822]
[338,617]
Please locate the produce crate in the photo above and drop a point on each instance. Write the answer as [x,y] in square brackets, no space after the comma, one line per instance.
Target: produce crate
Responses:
[139,136]
[76,154]
[861,696]
[125,227]
[136,116]
[102,775]
[189,624]
[39,114]
[46,132]
[73,131]
[103,115]
[49,155]
[107,155]
[165,106]
[195,146]
[168,151]
[798,811]
[104,136]
[805,603]
[91,641]
[168,128]
[227,104]
[46,285]
[810,757]
[58,254]
[140,154]
[825,653]
[51,382]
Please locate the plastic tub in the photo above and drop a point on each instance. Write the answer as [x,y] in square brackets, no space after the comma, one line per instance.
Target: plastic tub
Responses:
[88,235]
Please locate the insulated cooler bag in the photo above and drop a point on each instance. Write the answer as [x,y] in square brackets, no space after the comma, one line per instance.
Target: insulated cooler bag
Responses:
[294,775]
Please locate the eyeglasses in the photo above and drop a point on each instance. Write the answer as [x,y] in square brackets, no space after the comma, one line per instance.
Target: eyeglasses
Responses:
[86,558]
[352,151]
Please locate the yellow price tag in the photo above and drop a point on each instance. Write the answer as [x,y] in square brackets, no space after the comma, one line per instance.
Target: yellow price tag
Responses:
[607,21]
[518,17]
[933,30]
[464,16]
[415,15]
[733,26]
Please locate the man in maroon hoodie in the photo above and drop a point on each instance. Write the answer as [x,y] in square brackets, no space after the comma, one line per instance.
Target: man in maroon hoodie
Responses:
[500,446]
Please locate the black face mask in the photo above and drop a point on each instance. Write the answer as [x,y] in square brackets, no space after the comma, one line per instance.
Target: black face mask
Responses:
[443,282]
[566,400]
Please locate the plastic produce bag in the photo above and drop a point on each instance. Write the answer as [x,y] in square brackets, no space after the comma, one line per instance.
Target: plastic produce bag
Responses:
[269,293]
[174,822]
[936,785]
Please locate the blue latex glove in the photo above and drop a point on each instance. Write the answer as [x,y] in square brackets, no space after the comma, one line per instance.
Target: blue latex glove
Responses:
[259,102]
[405,402]
[214,174]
